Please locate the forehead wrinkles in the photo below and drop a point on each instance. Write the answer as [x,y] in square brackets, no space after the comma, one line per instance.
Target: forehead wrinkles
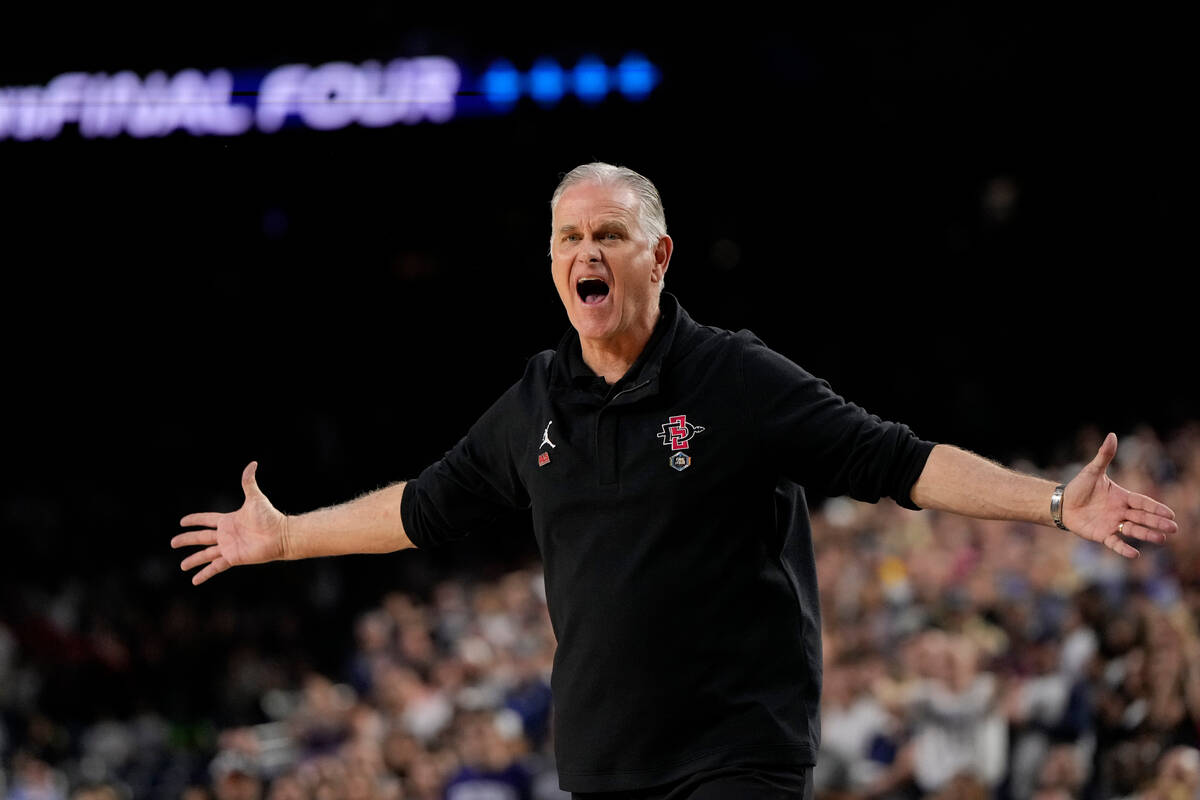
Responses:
[580,204]
[597,218]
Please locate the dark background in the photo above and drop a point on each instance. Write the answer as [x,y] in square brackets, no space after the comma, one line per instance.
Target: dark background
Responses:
[341,305]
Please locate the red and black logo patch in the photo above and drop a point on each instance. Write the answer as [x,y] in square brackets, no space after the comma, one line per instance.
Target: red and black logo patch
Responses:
[677,432]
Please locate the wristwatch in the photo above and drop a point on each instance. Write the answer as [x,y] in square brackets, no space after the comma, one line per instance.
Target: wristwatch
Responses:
[1056,505]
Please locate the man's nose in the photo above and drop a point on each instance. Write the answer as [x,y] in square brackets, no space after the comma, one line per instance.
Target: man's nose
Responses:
[589,252]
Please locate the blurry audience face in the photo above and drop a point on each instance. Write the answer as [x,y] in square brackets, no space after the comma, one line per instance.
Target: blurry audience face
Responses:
[237,785]
[401,751]
[425,780]
[374,633]
[933,657]
[1179,772]
[480,744]
[1061,770]
[359,786]
[416,646]
[287,788]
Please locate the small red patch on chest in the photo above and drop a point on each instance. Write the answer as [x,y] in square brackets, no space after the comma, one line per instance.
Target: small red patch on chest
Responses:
[543,459]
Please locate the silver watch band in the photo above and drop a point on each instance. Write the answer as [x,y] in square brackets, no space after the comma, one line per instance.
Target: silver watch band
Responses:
[1056,500]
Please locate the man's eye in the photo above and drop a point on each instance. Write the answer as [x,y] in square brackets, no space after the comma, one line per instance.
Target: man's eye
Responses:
[612,235]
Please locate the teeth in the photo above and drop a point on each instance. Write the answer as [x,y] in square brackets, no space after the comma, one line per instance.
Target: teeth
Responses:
[591,278]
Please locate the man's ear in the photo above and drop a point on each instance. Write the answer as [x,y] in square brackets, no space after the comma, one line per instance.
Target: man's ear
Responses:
[662,258]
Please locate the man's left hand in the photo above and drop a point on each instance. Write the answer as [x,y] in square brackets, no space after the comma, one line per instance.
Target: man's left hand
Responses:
[1096,509]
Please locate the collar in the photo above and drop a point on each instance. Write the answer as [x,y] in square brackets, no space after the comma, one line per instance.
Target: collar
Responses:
[574,380]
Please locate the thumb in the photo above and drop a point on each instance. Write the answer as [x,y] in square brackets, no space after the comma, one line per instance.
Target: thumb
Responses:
[1104,455]
[249,485]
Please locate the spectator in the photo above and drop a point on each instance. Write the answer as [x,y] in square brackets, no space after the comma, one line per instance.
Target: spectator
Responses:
[488,747]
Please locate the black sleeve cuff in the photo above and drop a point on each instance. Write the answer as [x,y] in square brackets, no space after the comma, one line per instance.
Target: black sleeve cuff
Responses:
[911,470]
[409,517]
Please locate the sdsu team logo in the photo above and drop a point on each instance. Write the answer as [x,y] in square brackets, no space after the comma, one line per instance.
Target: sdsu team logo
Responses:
[676,433]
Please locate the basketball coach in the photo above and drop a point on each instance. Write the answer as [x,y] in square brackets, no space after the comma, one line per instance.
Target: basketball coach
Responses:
[664,461]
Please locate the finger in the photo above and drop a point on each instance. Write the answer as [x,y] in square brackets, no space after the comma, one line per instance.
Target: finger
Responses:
[200,557]
[194,537]
[215,568]
[1151,505]
[249,485]
[1136,531]
[208,519]
[1152,521]
[1104,456]
[1117,545]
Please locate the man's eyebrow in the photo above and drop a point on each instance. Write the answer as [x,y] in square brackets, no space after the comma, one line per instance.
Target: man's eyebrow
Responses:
[607,223]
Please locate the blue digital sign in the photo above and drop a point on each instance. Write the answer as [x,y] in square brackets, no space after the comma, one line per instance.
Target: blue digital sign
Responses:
[591,80]
[323,97]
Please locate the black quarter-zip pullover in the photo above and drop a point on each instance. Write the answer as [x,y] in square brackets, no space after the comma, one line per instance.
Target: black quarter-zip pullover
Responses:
[675,538]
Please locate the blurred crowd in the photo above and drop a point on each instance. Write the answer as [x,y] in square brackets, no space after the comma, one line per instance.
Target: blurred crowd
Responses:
[968,659]
[963,659]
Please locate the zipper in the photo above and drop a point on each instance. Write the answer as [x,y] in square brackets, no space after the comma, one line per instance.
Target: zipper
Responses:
[623,391]
[606,459]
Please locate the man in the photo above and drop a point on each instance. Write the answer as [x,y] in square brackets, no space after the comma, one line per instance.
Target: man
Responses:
[663,461]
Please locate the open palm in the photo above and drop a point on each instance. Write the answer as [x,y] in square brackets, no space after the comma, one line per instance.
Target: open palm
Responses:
[254,534]
[1097,509]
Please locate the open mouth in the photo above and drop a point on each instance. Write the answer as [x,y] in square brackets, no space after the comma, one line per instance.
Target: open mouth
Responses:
[591,290]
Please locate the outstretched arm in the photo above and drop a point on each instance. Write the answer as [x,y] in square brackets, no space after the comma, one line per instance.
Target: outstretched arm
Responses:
[1094,508]
[257,532]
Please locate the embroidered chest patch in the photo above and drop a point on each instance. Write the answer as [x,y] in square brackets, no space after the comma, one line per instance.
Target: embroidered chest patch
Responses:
[676,433]
[544,455]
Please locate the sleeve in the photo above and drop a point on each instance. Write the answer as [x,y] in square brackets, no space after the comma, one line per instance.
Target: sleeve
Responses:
[472,485]
[822,442]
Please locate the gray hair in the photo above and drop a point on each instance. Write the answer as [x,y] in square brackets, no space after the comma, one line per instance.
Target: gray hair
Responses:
[650,215]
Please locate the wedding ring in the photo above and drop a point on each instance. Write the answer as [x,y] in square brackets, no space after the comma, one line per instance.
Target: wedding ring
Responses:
[1121,529]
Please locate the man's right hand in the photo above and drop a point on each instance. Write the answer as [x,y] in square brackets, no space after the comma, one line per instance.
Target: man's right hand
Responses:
[254,534]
